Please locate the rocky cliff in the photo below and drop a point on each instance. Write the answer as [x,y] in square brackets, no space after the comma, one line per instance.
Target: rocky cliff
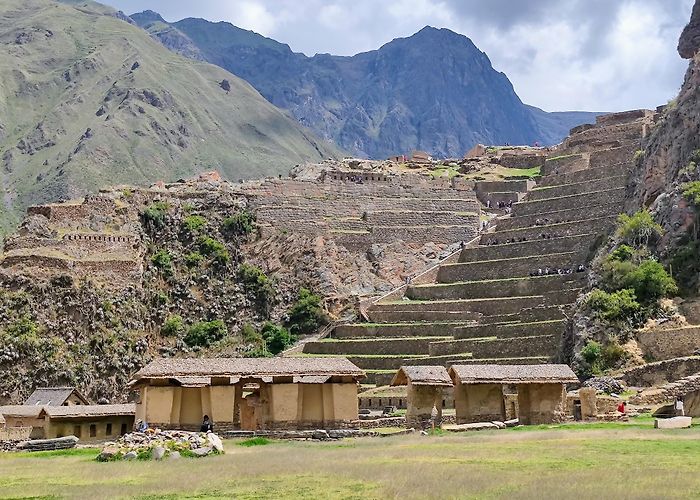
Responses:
[433,91]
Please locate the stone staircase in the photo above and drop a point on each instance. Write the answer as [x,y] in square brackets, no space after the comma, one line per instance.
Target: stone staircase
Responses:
[496,303]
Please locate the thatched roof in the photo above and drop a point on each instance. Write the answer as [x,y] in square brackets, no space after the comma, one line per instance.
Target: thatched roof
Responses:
[198,371]
[53,396]
[87,411]
[21,411]
[423,375]
[512,374]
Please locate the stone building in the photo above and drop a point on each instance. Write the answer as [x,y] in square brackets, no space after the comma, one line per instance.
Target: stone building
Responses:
[249,394]
[424,393]
[84,421]
[56,396]
[88,422]
[541,392]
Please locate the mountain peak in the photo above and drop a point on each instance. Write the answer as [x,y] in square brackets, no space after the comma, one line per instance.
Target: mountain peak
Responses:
[147,17]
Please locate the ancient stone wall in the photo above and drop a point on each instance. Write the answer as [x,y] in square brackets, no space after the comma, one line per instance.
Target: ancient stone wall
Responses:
[661,344]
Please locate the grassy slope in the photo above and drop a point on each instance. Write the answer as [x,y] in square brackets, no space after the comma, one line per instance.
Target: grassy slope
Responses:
[73,62]
[605,461]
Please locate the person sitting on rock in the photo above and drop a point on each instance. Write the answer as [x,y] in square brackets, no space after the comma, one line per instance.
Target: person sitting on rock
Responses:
[141,426]
[207,426]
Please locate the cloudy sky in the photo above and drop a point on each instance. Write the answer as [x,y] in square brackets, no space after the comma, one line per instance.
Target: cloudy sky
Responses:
[597,55]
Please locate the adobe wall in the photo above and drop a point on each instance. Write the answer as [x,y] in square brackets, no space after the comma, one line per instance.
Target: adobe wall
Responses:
[541,403]
[660,344]
[15,433]
[89,429]
[479,403]
[421,400]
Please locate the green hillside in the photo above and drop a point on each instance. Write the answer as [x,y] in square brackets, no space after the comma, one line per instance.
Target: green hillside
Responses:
[88,100]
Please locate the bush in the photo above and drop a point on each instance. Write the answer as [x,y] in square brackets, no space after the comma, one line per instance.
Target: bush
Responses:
[306,315]
[193,259]
[194,223]
[612,355]
[240,224]
[623,253]
[161,259]
[616,306]
[638,229]
[258,285]
[650,282]
[173,327]
[277,338]
[214,249]
[250,334]
[155,214]
[205,333]
[591,352]
[685,265]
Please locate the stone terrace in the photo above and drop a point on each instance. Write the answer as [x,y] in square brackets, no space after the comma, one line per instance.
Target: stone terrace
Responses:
[496,302]
[358,209]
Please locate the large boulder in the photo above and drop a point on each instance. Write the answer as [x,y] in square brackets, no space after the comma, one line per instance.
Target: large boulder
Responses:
[689,42]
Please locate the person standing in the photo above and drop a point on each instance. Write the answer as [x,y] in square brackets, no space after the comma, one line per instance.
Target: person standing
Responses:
[680,407]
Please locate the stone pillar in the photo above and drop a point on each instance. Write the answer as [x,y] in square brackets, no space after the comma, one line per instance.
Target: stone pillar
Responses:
[589,405]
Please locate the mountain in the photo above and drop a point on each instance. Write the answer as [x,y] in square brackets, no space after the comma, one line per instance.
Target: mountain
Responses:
[88,100]
[434,91]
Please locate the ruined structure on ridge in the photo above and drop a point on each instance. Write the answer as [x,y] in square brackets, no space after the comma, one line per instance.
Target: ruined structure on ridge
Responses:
[358,208]
[498,301]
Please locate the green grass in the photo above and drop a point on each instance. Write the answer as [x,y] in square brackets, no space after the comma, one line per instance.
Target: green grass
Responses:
[256,441]
[529,173]
[606,460]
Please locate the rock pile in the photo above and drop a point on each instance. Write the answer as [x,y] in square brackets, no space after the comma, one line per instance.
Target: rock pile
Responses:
[158,445]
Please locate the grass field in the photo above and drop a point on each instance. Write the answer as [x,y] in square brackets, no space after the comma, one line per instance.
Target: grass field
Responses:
[598,461]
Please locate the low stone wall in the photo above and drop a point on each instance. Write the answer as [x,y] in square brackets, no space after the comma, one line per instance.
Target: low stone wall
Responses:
[580,188]
[522,160]
[518,347]
[600,225]
[624,155]
[15,433]
[373,347]
[424,329]
[588,174]
[623,117]
[564,164]
[509,268]
[571,215]
[666,344]
[532,247]
[554,327]
[661,372]
[498,288]
[582,201]
[376,363]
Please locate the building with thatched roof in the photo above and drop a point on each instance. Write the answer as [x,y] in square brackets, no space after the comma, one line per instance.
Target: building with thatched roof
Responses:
[56,396]
[424,393]
[541,392]
[249,394]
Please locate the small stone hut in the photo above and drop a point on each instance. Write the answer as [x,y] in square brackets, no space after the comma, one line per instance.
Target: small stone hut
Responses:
[249,394]
[424,393]
[541,392]
[56,396]
[22,416]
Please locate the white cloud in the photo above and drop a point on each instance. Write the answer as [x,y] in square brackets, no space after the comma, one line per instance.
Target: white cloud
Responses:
[573,54]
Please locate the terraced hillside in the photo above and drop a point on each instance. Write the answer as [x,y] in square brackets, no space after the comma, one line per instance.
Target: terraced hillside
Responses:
[505,297]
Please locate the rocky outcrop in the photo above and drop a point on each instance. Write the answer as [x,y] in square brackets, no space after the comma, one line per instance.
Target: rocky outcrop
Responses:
[689,42]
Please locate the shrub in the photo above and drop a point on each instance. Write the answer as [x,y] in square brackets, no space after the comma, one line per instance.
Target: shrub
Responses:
[611,355]
[616,306]
[257,284]
[161,259]
[173,326]
[205,333]
[240,224]
[591,352]
[685,265]
[155,214]
[638,229]
[306,315]
[250,334]
[194,223]
[650,282]
[277,338]
[623,253]
[215,249]
[193,259]
[691,192]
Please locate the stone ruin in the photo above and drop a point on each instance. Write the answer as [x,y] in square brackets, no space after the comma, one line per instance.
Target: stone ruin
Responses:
[505,299]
